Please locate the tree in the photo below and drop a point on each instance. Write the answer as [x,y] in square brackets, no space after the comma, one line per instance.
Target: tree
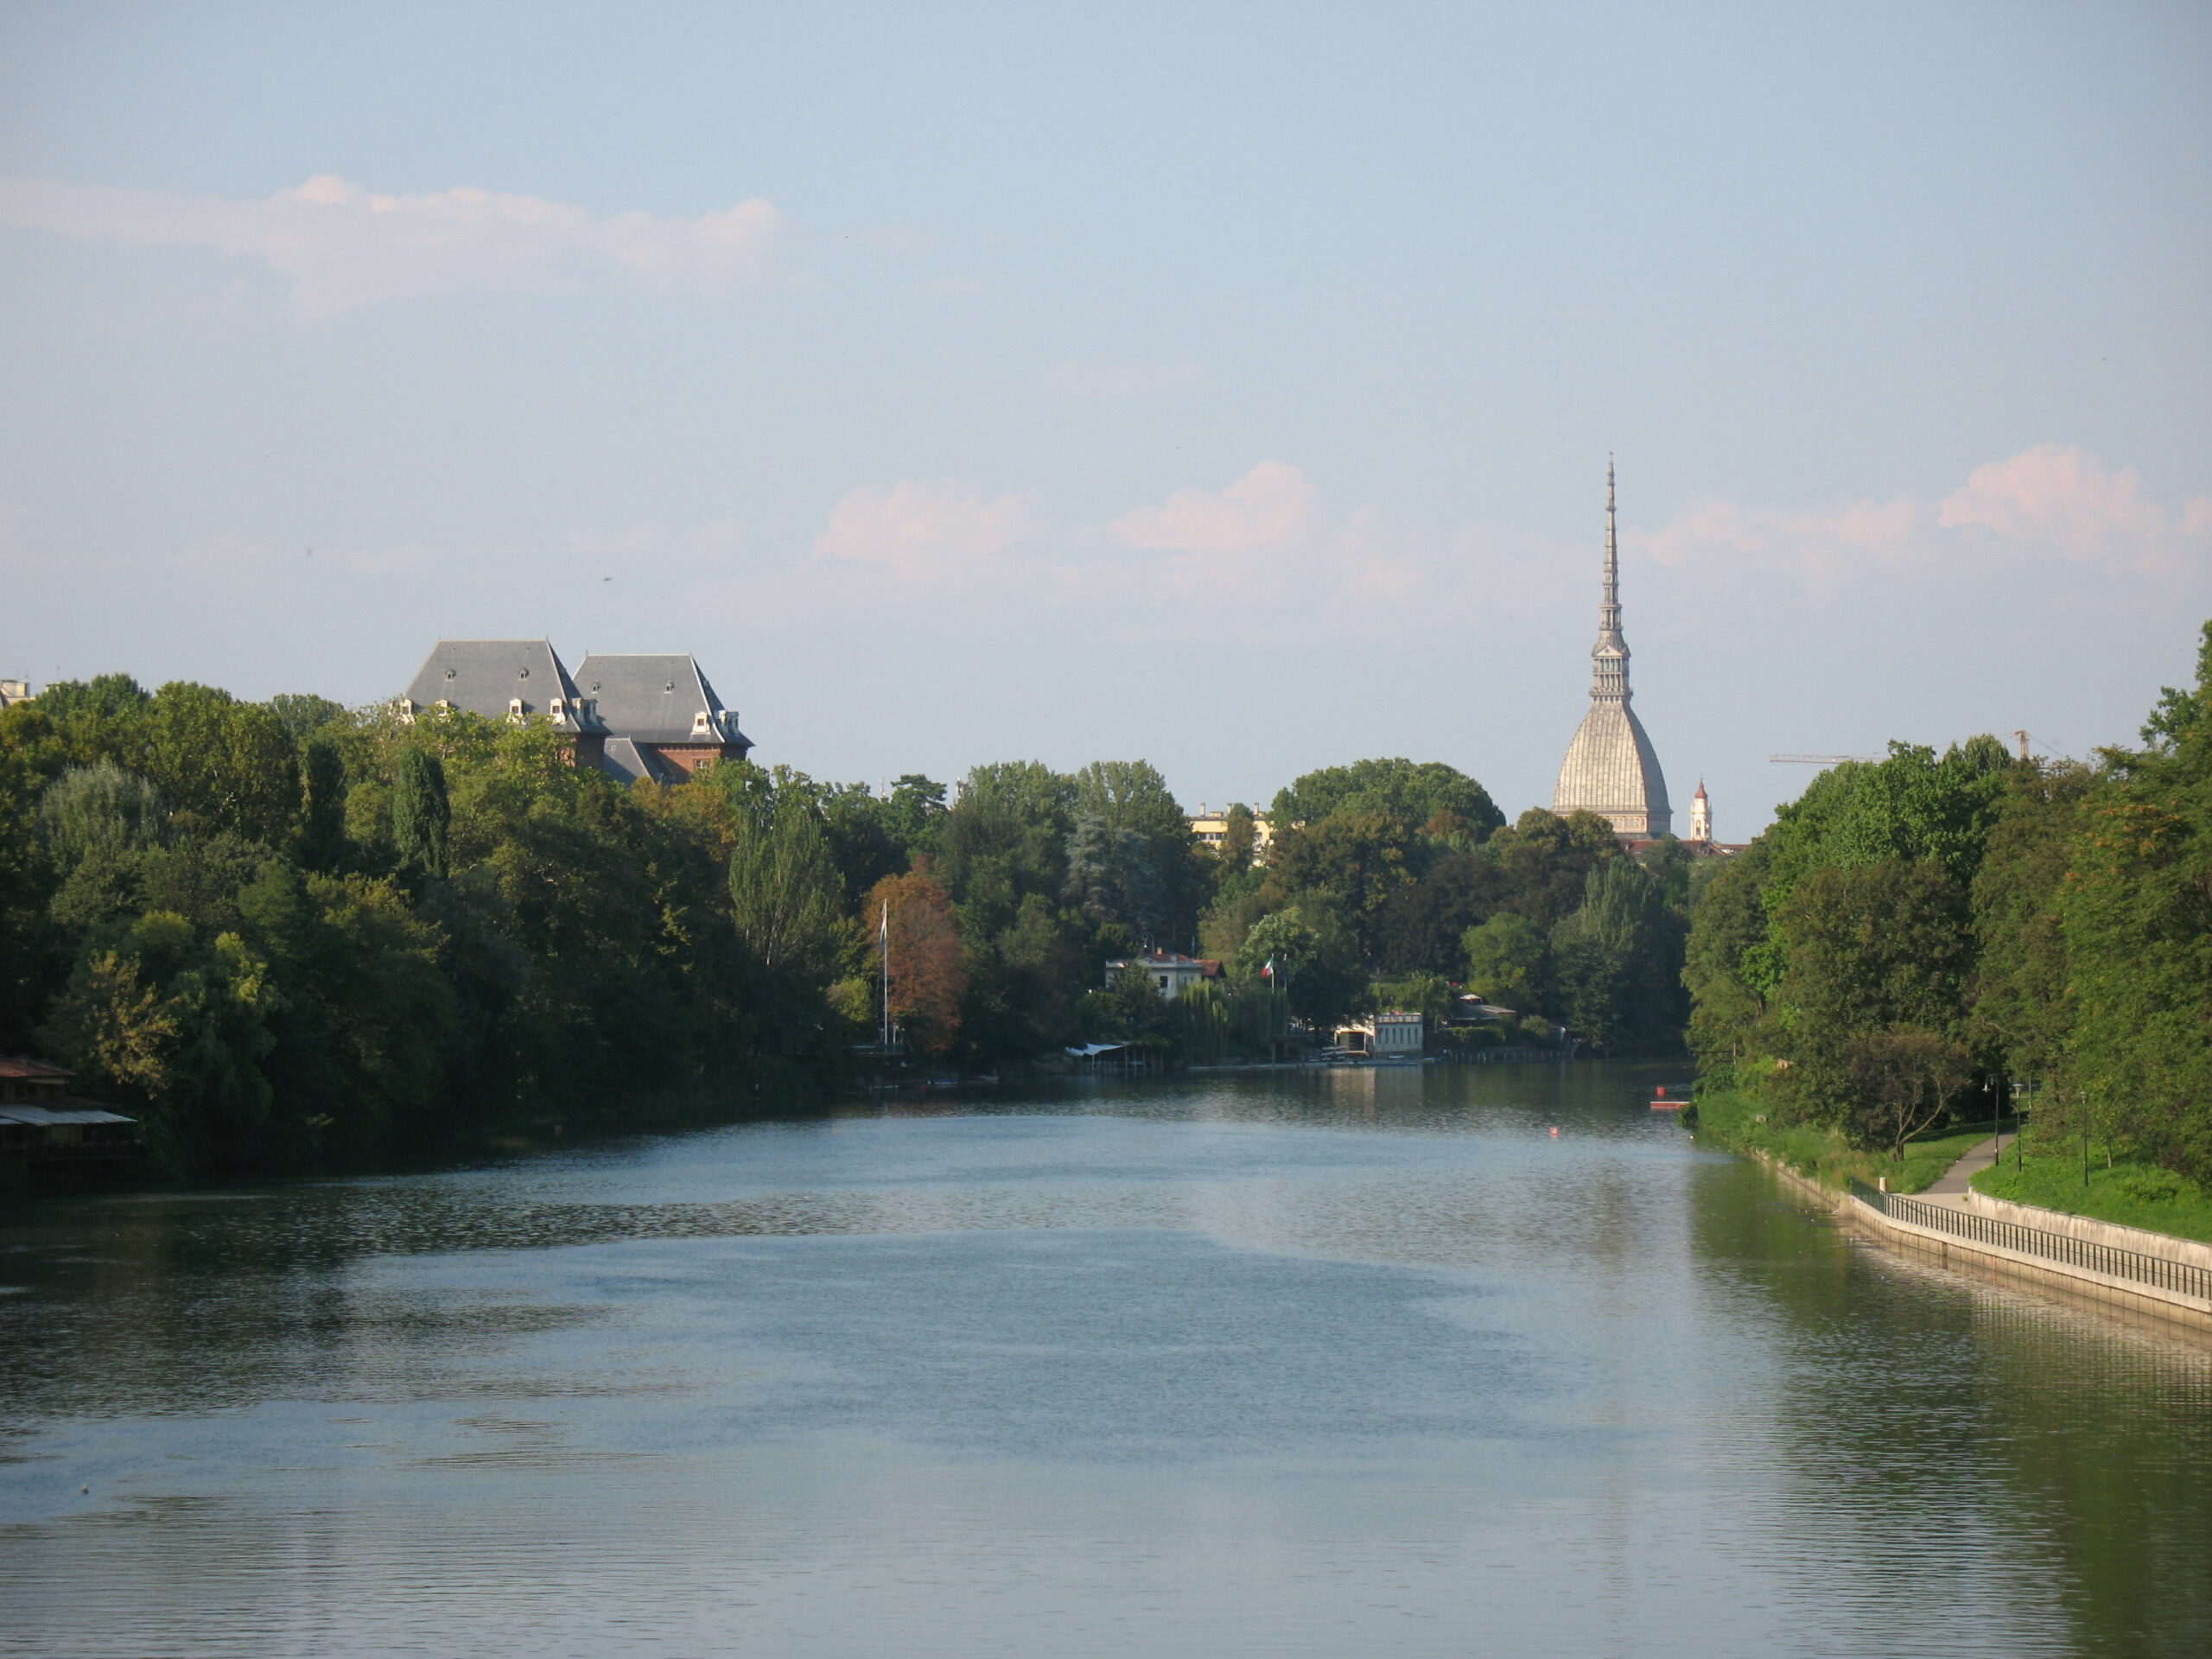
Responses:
[1900,1081]
[1313,958]
[1414,793]
[1114,878]
[1240,840]
[421,815]
[929,967]
[915,811]
[785,896]
[98,809]
[2135,913]
[2021,1014]
[1617,958]
[1359,858]
[221,763]
[1132,860]
[323,789]
[1004,839]
[1509,962]
[1871,947]
[1544,860]
[1729,922]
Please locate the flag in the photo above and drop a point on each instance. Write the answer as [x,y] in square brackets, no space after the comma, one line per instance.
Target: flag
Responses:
[1269,972]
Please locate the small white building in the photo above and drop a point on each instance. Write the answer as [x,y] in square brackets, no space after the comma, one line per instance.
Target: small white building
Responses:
[1170,975]
[1394,1035]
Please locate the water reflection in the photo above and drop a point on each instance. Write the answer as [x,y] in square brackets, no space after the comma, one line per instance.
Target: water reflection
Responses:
[1361,1362]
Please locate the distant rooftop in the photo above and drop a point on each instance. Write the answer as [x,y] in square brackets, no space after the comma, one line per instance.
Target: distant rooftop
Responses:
[656,698]
[501,679]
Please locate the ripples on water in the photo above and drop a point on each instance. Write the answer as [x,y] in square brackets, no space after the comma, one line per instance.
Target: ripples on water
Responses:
[1363,1364]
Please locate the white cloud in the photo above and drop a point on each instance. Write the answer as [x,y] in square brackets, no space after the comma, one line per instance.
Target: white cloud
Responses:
[2063,499]
[2057,506]
[921,531]
[1273,505]
[1120,380]
[341,246]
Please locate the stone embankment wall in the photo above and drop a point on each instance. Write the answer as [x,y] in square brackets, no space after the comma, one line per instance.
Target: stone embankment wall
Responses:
[2096,1232]
[2119,1294]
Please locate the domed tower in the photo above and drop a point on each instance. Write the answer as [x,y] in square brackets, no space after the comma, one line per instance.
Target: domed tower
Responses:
[1611,767]
[1700,815]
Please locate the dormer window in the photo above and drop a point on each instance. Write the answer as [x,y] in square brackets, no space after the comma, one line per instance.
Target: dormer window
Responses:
[407,710]
[514,708]
[702,723]
[558,708]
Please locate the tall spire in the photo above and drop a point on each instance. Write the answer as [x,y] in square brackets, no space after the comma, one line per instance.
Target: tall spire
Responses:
[1609,613]
[1610,768]
[1609,657]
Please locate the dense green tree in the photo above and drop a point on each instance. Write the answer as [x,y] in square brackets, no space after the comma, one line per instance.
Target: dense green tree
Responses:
[2021,1014]
[1509,962]
[1415,794]
[1131,858]
[421,812]
[322,818]
[914,811]
[1421,926]
[98,810]
[1616,962]
[1358,859]
[1544,861]
[221,762]
[2136,917]
[1872,948]
[1727,1006]
[1240,841]
[786,896]
[1004,839]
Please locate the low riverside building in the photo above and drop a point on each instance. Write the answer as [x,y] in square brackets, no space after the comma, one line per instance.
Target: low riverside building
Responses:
[1172,974]
[1392,1035]
[43,1126]
[654,717]
[13,692]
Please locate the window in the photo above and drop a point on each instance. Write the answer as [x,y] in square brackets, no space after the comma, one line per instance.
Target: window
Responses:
[514,708]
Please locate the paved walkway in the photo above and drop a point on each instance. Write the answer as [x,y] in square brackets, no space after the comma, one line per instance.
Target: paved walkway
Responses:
[1953,1181]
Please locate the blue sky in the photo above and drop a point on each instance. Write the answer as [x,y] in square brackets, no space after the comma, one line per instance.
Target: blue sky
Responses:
[1228,386]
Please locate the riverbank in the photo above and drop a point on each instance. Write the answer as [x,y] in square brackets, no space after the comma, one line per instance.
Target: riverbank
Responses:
[1729,1118]
[2126,1194]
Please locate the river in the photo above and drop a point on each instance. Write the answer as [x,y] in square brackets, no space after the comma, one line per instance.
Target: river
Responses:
[1361,1362]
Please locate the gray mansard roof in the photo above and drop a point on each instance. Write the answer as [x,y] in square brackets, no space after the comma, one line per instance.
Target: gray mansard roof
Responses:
[492,676]
[627,761]
[657,699]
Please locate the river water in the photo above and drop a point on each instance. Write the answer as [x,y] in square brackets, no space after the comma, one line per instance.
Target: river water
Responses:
[1347,1365]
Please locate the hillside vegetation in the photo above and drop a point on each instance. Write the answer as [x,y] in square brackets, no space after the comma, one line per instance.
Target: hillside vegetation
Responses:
[1914,937]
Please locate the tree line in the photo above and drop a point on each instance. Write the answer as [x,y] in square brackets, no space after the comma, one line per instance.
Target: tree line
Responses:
[1914,937]
[286,932]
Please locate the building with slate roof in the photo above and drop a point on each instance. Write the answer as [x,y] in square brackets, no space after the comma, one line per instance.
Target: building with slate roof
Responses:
[654,717]
[1611,767]
[507,679]
[662,717]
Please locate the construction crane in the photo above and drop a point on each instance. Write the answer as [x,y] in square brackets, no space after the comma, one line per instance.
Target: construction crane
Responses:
[1817,760]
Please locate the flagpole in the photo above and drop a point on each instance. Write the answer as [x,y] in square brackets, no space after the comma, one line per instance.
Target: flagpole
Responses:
[883,934]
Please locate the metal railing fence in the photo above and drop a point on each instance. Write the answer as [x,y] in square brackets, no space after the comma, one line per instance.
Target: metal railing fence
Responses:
[2183,1276]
